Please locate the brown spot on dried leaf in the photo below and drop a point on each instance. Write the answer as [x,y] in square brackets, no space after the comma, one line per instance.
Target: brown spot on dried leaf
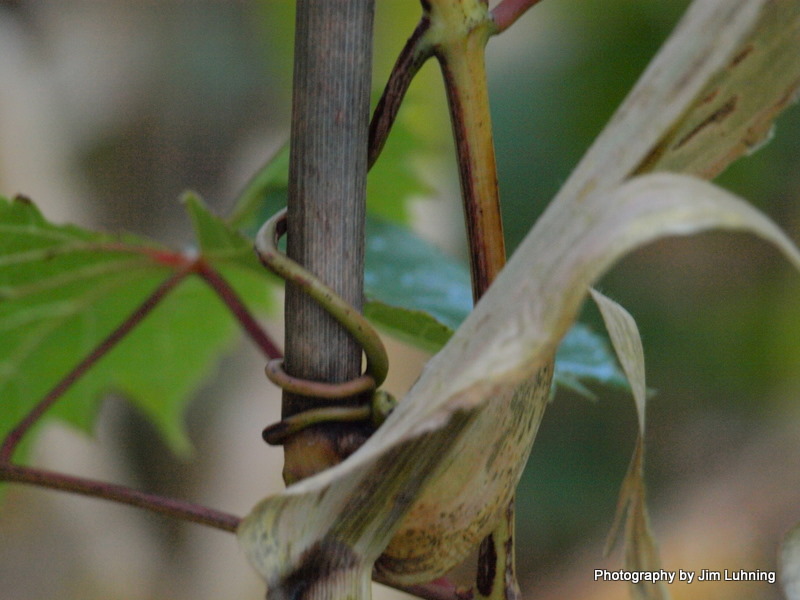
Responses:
[718,116]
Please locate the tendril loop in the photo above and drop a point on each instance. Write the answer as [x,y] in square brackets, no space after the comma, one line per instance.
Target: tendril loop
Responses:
[266,247]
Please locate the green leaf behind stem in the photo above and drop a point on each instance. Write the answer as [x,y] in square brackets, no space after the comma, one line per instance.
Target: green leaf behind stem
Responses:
[439,434]
[414,291]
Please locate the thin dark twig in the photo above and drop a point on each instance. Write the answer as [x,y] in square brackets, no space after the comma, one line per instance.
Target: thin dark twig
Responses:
[15,435]
[411,58]
[231,299]
[180,509]
[507,12]
[122,494]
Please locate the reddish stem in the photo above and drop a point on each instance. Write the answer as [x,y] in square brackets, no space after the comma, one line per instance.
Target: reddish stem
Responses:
[118,493]
[412,57]
[507,12]
[178,509]
[16,434]
[239,310]
[463,70]
[169,507]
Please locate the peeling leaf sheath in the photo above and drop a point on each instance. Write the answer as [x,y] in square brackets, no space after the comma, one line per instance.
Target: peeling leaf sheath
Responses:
[628,346]
[733,114]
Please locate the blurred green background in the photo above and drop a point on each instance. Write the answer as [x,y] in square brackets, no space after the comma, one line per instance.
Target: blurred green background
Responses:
[109,109]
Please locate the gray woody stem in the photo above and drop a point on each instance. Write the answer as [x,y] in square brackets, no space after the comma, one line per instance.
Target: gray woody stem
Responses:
[327,191]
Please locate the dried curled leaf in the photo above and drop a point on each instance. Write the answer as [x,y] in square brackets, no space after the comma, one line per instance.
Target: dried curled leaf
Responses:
[705,99]
[408,484]
[438,439]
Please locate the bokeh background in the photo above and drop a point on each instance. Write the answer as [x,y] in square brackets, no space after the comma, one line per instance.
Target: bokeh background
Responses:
[109,109]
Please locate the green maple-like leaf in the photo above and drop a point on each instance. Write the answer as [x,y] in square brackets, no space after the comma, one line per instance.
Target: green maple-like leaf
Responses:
[64,289]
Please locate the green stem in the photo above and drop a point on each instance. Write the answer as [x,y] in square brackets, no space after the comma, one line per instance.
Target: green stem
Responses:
[464,73]
[344,314]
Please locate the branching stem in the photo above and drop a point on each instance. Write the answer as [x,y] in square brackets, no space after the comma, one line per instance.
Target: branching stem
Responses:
[117,493]
[231,299]
[417,50]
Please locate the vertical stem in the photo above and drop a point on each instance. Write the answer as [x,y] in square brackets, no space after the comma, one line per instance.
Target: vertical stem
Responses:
[464,72]
[327,191]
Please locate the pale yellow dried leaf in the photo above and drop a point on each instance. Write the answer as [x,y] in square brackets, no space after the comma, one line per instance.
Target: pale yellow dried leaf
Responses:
[512,333]
[733,114]
[627,344]
[494,368]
